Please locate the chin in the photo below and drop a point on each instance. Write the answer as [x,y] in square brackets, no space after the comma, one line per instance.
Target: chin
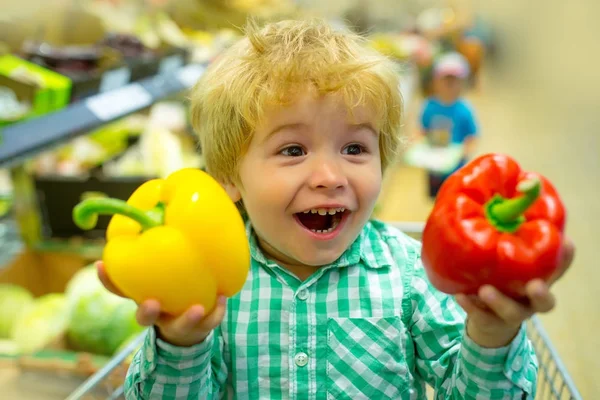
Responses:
[324,257]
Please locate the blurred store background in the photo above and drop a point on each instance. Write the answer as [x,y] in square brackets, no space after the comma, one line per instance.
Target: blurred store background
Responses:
[93,102]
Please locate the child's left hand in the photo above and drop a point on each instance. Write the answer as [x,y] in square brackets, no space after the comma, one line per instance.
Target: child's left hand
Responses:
[494,319]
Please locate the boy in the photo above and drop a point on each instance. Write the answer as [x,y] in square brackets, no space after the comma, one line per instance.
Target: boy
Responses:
[446,117]
[298,122]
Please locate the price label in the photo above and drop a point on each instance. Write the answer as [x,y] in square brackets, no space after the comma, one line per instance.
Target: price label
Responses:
[114,79]
[190,74]
[110,105]
[170,64]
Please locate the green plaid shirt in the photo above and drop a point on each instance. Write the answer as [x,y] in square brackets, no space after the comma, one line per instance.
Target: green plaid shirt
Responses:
[369,326]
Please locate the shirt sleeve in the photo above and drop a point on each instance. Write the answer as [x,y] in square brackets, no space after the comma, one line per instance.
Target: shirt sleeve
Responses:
[469,122]
[162,371]
[453,364]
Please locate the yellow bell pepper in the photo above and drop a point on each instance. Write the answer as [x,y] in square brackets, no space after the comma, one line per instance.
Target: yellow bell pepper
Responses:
[179,240]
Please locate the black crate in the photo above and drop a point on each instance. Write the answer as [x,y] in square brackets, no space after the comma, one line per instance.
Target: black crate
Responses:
[58,195]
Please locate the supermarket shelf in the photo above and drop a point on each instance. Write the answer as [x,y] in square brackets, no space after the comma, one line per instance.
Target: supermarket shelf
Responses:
[21,141]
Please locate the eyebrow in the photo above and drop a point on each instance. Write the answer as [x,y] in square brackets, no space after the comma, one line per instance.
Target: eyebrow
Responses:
[300,125]
[365,125]
[277,129]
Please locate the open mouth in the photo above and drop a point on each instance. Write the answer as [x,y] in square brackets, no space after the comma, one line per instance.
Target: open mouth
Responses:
[321,220]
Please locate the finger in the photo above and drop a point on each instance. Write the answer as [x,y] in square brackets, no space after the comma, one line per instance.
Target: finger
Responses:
[105,280]
[541,299]
[184,323]
[467,303]
[475,312]
[568,255]
[568,252]
[148,312]
[510,311]
[216,316]
[471,303]
[479,303]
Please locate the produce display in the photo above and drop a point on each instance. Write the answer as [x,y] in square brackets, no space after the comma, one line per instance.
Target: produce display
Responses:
[66,60]
[41,323]
[127,45]
[14,300]
[493,223]
[87,317]
[403,46]
[153,144]
[186,221]
[11,108]
[29,87]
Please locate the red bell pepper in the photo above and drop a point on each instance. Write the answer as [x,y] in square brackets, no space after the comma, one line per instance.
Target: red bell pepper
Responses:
[493,223]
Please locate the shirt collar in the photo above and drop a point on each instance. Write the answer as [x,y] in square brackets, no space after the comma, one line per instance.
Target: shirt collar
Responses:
[369,247]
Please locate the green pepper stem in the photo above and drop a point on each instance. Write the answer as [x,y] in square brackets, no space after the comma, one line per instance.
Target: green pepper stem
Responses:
[511,209]
[85,214]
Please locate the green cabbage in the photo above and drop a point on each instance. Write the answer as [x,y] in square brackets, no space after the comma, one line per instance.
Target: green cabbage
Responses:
[84,281]
[42,323]
[14,300]
[99,321]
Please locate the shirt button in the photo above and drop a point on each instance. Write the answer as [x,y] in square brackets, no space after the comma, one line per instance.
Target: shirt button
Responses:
[301,359]
[517,364]
[303,294]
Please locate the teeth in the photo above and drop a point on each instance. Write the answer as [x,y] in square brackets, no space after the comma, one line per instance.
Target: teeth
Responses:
[325,211]
[322,231]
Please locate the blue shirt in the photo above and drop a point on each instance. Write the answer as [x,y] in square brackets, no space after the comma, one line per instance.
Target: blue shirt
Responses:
[449,123]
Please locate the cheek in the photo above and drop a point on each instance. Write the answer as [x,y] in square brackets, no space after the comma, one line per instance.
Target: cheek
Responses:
[368,184]
[265,188]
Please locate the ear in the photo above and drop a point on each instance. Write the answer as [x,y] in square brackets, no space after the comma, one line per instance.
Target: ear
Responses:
[234,193]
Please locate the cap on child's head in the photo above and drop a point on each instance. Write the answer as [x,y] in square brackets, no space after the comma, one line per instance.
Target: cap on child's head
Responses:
[451,64]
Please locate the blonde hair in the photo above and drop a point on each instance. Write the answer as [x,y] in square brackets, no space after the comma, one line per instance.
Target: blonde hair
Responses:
[269,66]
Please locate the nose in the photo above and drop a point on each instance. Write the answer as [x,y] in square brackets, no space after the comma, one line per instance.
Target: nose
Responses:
[327,174]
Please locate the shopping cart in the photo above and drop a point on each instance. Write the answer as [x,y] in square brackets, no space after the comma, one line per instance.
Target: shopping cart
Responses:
[554,381]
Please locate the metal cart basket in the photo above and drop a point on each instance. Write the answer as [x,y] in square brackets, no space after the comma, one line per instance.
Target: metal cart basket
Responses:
[554,381]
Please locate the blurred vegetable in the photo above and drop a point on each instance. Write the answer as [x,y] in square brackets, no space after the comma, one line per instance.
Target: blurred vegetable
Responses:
[41,323]
[99,321]
[83,282]
[9,347]
[14,300]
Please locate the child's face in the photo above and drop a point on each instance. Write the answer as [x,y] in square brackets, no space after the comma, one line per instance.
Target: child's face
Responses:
[448,87]
[310,156]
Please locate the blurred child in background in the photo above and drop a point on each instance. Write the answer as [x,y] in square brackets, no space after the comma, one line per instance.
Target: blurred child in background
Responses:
[446,117]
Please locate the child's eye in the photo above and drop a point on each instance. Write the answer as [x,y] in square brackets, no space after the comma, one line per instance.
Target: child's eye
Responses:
[353,149]
[293,151]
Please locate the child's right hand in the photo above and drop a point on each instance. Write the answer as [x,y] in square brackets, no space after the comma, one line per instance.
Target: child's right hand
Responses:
[188,329]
